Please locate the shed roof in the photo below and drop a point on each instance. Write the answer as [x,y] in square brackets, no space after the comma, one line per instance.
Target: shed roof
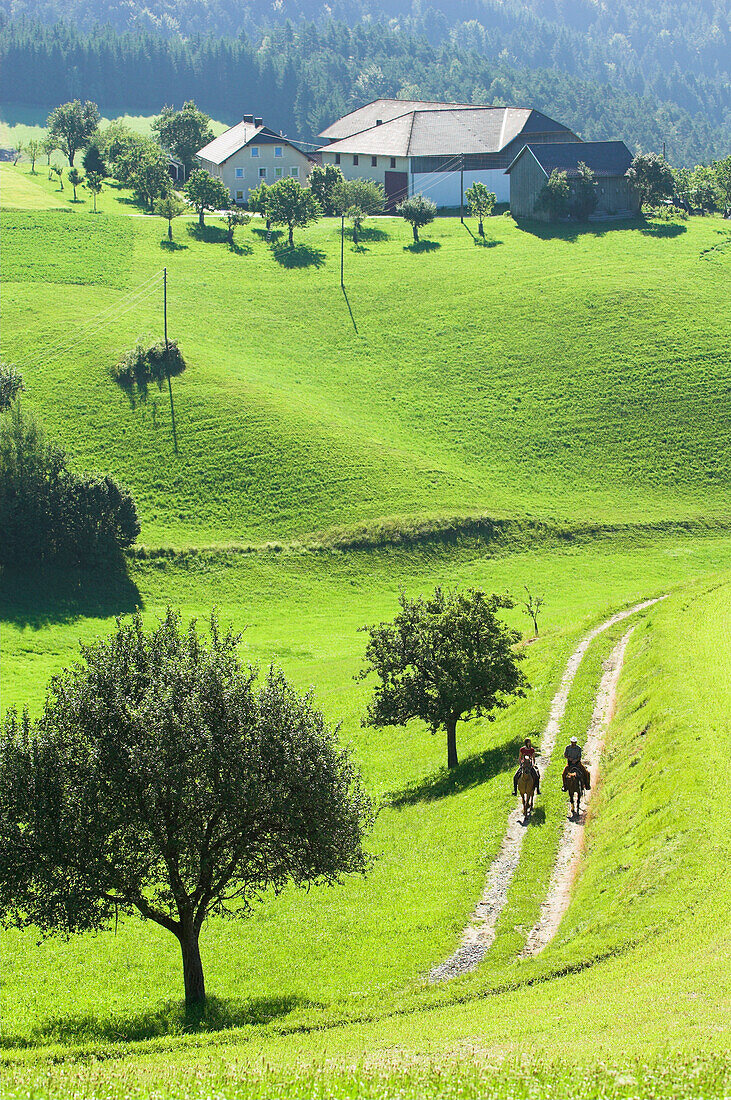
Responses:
[240,135]
[446,131]
[605,158]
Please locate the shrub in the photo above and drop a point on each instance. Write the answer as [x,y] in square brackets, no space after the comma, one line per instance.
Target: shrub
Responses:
[142,365]
[554,197]
[49,513]
[418,212]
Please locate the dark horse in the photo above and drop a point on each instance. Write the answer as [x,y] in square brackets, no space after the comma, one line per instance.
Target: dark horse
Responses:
[575,788]
[526,785]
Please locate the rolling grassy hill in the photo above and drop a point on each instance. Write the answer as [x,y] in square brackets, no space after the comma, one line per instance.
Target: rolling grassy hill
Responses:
[573,388]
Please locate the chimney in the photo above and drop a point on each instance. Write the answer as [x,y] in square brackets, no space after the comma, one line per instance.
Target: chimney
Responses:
[258,121]
[249,118]
[379,122]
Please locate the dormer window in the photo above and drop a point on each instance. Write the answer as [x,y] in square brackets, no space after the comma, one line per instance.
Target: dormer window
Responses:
[255,150]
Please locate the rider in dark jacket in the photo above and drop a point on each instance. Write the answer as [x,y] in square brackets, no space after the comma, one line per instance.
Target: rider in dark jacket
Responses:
[572,753]
[527,752]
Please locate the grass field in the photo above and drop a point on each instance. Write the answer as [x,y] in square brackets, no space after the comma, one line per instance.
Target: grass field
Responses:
[332,452]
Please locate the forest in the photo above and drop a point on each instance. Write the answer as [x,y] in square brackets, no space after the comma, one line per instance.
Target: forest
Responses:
[309,73]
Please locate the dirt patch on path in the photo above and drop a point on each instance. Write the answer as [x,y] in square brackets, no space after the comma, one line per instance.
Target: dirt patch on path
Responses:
[480,934]
[572,842]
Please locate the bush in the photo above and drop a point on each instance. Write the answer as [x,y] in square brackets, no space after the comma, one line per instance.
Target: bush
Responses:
[11,384]
[418,212]
[50,514]
[554,197]
[142,365]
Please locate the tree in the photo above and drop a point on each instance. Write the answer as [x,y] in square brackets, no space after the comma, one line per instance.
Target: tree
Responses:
[481,203]
[291,204]
[49,146]
[170,207]
[33,148]
[722,168]
[11,384]
[57,171]
[183,132]
[418,212]
[51,514]
[652,177]
[93,160]
[162,778]
[75,179]
[532,606]
[442,659]
[234,218]
[72,126]
[17,152]
[258,202]
[553,199]
[583,193]
[324,180]
[356,199]
[146,172]
[205,192]
[94,183]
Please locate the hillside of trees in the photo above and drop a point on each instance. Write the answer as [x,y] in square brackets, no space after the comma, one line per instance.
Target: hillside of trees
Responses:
[304,77]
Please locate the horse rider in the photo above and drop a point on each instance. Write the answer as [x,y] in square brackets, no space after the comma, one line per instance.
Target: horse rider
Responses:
[527,752]
[572,753]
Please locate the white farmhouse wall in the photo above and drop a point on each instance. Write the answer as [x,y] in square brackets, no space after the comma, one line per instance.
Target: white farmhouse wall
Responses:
[443,187]
[364,169]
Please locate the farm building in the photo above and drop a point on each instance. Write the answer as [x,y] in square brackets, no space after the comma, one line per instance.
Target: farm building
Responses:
[435,149]
[250,153]
[608,160]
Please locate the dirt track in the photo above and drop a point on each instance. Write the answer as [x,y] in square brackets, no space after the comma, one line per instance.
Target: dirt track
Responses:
[479,935]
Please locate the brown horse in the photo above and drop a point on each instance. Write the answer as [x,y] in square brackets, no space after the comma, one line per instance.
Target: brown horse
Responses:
[575,788]
[526,786]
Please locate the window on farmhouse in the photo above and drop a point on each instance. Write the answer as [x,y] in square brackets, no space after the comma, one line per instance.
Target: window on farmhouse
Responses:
[262,173]
[355,160]
[239,173]
[277,150]
[393,162]
[337,158]
[278,172]
[255,150]
[374,162]
[239,196]
[294,172]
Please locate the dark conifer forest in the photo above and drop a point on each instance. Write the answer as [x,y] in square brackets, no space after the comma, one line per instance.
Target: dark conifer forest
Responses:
[649,72]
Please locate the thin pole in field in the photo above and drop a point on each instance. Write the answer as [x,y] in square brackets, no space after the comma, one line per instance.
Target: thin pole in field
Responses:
[167,365]
[461,189]
[342,251]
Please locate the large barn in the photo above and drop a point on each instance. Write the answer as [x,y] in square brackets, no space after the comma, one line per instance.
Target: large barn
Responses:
[608,160]
[435,149]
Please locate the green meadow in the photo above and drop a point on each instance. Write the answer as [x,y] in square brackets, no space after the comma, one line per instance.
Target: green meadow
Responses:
[549,411]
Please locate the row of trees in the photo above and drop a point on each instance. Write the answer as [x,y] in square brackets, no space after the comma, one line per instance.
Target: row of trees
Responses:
[163,778]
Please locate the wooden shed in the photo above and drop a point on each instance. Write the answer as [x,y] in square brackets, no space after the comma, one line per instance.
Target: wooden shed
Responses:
[608,160]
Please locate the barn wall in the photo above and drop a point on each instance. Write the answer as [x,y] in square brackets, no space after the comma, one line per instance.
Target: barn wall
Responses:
[616,195]
[444,187]
[526,182]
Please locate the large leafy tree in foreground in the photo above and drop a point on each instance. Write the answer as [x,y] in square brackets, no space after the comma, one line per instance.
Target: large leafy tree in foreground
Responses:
[162,778]
[442,659]
[205,192]
[652,177]
[72,126]
[289,203]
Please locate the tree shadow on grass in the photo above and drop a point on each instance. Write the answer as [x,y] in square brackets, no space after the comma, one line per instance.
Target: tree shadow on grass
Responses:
[240,249]
[55,596]
[169,1019]
[663,229]
[273,234]
[486,242]
[473,771]
[298,255]
[172,246]
[422,246]
[572,231]
[211,234]
[367,233]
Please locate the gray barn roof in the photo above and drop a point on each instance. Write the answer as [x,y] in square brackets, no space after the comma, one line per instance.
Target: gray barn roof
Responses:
[422,130]
[605,158]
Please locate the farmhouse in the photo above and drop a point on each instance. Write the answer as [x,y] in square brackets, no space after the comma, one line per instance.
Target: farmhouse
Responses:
[436,149]
[608,160]
[250,153]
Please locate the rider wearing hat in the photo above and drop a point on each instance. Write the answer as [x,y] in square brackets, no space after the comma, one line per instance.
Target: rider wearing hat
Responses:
[572,753]
[527,752]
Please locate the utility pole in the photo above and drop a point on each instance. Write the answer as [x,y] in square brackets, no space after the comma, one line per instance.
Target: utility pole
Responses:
[342,251]
[461,189]
[663,150]
[167,365]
